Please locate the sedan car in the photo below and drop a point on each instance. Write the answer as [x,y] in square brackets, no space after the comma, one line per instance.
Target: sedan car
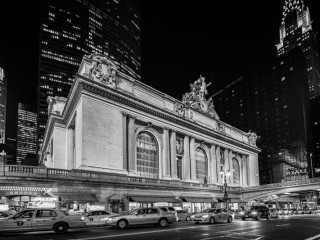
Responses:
[143,216]
[212,215]
[96,218]
[256,212]
[184,215]
[40,220]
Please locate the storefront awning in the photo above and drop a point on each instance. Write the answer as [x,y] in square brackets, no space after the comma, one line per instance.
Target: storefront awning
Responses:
[153,199]
[199,200]
[71,197]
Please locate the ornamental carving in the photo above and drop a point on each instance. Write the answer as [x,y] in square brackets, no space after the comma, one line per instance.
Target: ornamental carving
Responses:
[196,99]
[103,70]
[179,146]
[252,138]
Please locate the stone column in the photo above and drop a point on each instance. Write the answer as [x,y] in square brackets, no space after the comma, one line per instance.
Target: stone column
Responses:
[166,153]
[244,170]
[218,157]
[193,158]
[124,141]
[70,148]
[214,174]
[231,166]
[131,145]
[186,159]
[173,140]
[226,166]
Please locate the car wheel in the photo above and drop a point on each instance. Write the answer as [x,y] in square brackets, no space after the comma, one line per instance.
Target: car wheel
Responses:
[258,217]
[212,220]
[188,218]
[268,216]
[122,224]
[163,222]
[277,216]
[229,219]
[60,228]
[243,219]
[197,222]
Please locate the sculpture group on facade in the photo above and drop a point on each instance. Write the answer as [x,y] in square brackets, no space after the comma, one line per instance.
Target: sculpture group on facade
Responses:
[104,71]
[196,99]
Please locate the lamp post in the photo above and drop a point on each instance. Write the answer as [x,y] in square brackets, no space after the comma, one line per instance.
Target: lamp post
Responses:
[225,174]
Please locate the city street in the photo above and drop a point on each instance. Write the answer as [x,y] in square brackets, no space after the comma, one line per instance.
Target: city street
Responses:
[286,227]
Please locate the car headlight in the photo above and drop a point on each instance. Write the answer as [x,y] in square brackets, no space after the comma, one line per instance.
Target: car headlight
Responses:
[254,213]
[205,216]
[192,216]
[241,213]
[82,218]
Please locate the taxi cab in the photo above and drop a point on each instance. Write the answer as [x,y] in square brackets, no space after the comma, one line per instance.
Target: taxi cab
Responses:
[96,217]
[212,215]
[40,220]
[143,216]
[184,215]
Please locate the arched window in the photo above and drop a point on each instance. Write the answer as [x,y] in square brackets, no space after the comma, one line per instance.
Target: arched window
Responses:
[236,171]
[201,164]
[147,155]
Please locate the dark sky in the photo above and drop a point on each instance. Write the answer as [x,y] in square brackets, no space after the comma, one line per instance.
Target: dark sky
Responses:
[220,40]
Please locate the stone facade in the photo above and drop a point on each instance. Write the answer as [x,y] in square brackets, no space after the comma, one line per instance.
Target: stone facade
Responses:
[114,124]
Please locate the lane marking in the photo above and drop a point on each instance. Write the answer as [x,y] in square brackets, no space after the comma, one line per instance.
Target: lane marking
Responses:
[280,225]
[314,237]
[165,230]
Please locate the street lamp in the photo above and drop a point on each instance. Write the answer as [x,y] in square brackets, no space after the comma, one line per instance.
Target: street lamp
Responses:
[225,174]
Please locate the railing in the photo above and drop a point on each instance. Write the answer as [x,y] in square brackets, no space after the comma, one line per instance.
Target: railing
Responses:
[85,175]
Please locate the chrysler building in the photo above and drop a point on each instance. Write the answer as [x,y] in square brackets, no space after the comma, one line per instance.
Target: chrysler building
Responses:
[296,30]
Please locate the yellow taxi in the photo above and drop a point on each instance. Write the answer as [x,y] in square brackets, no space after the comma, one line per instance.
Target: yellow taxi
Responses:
[31,220]
[96,217]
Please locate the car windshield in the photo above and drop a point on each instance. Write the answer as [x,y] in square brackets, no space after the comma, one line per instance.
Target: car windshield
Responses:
[208,210]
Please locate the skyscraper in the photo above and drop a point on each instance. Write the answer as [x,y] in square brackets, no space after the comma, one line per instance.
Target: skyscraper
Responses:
[73,28]
[274,104]
[3,105]
[26,134]
[296,30]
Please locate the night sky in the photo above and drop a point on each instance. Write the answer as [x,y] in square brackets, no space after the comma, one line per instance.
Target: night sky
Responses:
[220,40]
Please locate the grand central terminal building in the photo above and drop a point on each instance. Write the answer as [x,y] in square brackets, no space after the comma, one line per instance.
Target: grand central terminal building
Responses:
[169,151]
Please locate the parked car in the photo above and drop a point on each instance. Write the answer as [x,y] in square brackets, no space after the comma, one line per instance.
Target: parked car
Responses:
[256,212]
[96,217]
[309,211]
[274,213]
[212,215]
[143,216]
[184,215]
[40,219]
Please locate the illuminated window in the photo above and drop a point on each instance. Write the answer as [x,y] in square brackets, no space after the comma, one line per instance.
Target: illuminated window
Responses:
[201,164]
[236,171]
[147,155]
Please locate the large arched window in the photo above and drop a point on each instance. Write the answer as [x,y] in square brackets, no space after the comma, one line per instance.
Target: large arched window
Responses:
[201,164]
[236,171]
[147,155]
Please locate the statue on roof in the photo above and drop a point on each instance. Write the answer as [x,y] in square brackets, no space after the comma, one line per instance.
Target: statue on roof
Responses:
[196,98]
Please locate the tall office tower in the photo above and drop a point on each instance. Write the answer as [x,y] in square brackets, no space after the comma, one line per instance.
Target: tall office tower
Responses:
[73,28]
[3,105]
[26,135]
[296,30]
[274,104]
[315,118]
